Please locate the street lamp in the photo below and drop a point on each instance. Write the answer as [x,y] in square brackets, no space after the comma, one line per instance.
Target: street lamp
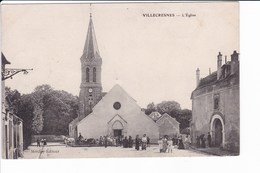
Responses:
[10,72]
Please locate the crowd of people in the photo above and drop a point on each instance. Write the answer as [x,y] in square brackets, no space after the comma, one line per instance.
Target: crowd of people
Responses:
[143,142]
[125,142]
[201,141]
[167,144]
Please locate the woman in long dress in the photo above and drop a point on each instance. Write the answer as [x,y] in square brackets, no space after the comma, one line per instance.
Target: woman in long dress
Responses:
[130,141]
[137,142]
[164,144]
[181,145]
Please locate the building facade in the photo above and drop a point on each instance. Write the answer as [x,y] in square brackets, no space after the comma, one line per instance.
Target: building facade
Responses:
[215,105]
[117,114]
[11,125]
[168,126]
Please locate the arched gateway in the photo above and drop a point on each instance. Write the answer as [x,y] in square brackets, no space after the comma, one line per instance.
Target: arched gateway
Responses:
[117,126]
[217,130]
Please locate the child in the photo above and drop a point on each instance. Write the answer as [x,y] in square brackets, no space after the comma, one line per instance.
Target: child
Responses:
[169,142]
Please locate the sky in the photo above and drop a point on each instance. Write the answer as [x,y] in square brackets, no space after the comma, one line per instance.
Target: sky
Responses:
[153,58]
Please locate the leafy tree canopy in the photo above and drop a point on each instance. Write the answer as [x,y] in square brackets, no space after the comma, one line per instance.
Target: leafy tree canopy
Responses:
[49,111]
[173,108]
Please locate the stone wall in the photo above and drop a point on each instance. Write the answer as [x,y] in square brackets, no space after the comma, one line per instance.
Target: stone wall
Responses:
[203,114]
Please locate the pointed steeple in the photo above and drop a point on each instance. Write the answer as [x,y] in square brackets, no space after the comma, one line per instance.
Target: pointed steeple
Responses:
[91,48]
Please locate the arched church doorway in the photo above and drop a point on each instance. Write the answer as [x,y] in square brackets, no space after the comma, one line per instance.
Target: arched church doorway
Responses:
[117,128]
[218,133]
[217,130]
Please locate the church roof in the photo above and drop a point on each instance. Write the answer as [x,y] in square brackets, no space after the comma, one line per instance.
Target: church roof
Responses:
[208,80]
[206,84]
[75,121]
[165,115]
[91,48]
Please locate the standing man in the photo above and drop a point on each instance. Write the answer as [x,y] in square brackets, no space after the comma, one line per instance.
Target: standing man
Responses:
[80,137]
[144,142]
[106,141]
[209,139]
[38,143]
[148,141]
[203,141]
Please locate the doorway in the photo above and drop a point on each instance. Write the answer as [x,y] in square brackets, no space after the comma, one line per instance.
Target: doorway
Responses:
[117,132]
[218,133]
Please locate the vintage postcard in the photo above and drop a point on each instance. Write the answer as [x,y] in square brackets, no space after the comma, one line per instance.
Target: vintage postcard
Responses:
[103,80]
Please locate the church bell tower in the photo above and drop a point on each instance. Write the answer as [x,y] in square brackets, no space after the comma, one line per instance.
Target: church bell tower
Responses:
[91,87]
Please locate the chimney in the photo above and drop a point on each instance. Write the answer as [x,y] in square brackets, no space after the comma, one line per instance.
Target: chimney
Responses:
[209,71]
[234,62]
[198,76]
[219,65]
[225,59]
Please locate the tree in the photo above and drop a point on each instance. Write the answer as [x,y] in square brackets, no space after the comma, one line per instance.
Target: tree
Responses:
[14,96]
[60,108]
[37,122]
[44,111]
[25,110]
[168,107]
[150,108]
[184,117]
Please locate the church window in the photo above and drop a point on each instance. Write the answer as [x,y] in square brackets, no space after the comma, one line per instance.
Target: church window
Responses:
[216,101]
[117,105]
[87,75]
[94,74]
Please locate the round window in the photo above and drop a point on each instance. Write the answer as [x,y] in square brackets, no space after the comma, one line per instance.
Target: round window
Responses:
[117,105]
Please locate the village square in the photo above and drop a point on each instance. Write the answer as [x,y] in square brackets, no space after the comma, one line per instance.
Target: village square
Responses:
[49,123]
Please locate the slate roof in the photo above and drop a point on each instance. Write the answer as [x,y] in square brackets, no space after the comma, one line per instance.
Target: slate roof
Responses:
[91,48]
[209,80]
[168,116]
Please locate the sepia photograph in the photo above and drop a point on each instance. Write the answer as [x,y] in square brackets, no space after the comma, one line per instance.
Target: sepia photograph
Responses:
[120,80]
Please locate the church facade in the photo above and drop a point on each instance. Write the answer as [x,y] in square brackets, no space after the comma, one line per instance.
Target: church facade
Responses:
[117,114]
[215,105]
[114,113]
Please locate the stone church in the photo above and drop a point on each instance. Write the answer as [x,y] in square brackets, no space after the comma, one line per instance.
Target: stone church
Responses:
[215,105]
[114,113]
